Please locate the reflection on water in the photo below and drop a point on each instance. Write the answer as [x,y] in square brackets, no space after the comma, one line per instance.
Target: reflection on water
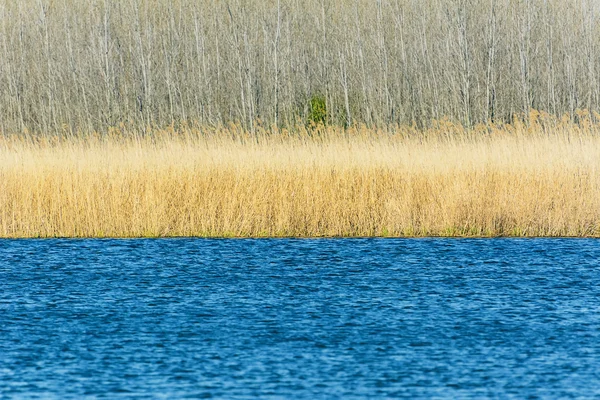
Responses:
[300,318]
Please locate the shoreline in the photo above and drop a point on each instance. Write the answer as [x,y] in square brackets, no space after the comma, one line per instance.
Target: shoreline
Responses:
[317,238]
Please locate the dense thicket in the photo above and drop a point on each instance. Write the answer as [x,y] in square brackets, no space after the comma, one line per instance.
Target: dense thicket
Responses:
[95,63]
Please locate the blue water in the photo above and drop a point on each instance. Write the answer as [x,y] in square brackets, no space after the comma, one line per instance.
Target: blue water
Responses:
[354,318]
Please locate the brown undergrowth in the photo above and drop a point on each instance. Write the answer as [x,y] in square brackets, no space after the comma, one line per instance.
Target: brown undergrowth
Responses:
[535,179]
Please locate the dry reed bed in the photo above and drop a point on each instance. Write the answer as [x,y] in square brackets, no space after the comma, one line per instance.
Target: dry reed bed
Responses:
[508,181]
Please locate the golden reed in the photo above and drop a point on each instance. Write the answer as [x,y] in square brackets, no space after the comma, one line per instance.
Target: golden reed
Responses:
[534,179]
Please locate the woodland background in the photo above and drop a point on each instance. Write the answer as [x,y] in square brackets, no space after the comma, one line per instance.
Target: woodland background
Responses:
[90,65]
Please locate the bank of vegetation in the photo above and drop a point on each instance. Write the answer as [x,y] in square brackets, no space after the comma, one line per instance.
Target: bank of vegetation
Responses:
[538,179]
[129,118]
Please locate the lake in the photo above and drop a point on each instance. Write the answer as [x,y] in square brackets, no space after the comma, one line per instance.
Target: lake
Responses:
[286,318]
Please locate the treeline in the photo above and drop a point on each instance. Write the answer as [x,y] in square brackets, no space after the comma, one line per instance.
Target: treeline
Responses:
[91,64]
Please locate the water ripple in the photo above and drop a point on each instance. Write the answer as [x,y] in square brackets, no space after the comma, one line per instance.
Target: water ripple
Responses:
[299,318]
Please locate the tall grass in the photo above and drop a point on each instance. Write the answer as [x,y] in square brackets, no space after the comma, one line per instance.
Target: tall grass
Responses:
[540,179]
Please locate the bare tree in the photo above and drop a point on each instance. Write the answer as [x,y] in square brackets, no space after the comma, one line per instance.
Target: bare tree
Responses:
[89,65]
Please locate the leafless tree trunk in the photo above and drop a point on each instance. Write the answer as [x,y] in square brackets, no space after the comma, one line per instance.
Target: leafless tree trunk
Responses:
[89,65]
